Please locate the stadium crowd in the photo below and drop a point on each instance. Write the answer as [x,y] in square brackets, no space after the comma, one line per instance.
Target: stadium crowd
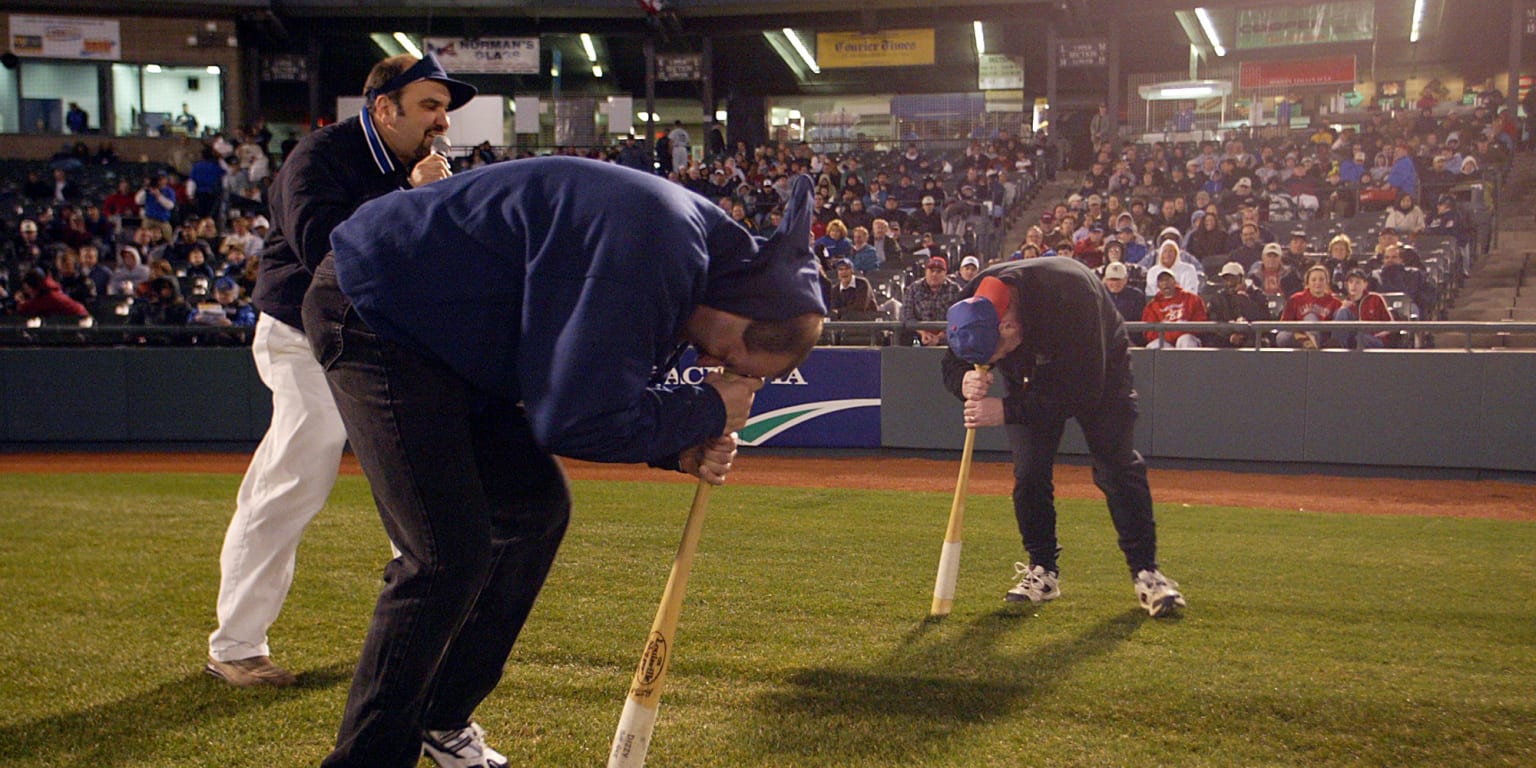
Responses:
[1228,230]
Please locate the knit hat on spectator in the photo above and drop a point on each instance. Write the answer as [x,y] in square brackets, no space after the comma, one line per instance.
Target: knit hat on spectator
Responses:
[972,333]
[1169,232]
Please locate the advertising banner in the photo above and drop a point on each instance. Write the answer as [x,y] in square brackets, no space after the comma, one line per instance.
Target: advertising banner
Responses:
[486,55]
[995,72]
[1277,25]
[831,401]
[66,37]
[891,48]
[1290,73]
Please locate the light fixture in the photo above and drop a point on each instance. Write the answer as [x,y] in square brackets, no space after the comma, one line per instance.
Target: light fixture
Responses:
[720,115]
[405,42]
[1418,19]
[1184,89]
[794,114]
[213,69]
[1210,30]
[554,70]
[597,70]
[646,117]
[153,69]
[981,38]
[805,55]
[586,45]
[1188,93]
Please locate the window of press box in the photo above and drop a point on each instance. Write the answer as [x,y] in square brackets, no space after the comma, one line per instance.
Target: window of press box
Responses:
[156,100]
[35,97]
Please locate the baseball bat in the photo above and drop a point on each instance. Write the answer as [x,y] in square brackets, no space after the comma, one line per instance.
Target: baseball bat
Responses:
[633,738]
[949,556]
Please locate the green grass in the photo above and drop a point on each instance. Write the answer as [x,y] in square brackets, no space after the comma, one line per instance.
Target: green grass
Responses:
[1310,639]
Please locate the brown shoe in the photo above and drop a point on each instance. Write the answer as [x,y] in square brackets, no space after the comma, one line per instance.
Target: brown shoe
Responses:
[244,673]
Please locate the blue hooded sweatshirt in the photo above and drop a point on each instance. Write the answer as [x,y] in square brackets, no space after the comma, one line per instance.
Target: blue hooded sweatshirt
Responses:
[565,284]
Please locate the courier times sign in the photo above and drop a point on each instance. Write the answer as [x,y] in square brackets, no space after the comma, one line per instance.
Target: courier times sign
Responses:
[891,48]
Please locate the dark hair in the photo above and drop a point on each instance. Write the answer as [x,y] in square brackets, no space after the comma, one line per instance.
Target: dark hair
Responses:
[793,336]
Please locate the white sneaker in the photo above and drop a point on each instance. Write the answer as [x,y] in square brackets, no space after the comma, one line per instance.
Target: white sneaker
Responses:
[1158,593]
[1036,585]
[462,748]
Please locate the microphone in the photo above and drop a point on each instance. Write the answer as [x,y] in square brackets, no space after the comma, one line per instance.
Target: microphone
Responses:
[441,144]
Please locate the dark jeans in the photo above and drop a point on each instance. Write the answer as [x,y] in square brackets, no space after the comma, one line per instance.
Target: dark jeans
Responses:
[1118,470]
[476,509]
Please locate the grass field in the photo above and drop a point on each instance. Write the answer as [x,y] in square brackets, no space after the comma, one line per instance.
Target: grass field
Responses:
[1310,639]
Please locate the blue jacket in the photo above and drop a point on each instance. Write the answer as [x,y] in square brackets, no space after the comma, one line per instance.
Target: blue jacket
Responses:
[1403,176]
[559,282]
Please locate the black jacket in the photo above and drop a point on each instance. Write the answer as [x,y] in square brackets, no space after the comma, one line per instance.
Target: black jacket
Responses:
[1074,339]
[327,176]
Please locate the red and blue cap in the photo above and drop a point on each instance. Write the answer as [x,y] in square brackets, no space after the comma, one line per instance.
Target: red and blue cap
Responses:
[973,333]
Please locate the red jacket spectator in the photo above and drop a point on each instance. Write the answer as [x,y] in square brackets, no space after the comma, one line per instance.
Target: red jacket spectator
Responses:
[1173,306]
[42,297]
[120,203]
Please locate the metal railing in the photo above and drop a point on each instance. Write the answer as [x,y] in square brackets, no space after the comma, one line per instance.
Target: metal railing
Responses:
[876,331]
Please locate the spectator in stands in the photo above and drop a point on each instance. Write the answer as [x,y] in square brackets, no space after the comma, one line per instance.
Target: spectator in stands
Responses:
[207,176]
[863,255]
[63,190]
[1250,248]
[1315,303]
[150,243]
[158,203]
[852,298]
[1208,241]
[162,304]
[199,260]
[835,243]
[128,274]
[929,299]
[1129,299]
[1168,260]
[969,266]
[1401,272]
[1406,217]
[887,246]
[1296,249]
[186,241]
[92,269]
[1352,167]
[26,248]
[1447,221]
[1235,302]
[1360,303]
[34,188]
[926,218]
[75,284]
[1403,176]
[40,296]
[233,309]
[120,203]
[1172,304]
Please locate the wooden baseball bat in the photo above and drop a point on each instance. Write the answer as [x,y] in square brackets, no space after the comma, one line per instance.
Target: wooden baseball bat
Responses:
[949,556]
[633,738]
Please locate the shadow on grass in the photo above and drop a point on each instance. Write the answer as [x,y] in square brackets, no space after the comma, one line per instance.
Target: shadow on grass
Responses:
[917,696]
[121,731]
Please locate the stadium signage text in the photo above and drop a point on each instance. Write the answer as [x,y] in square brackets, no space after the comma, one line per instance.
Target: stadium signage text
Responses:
[486,55]
[891,48]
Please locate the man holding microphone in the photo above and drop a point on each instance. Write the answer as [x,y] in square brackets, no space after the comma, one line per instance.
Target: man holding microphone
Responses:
[328,175]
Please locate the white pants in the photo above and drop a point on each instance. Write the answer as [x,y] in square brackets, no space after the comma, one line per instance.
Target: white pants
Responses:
[1187,341]
[290,477]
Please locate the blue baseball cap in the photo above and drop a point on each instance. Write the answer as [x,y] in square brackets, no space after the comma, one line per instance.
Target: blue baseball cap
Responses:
[973,333]
[428,68]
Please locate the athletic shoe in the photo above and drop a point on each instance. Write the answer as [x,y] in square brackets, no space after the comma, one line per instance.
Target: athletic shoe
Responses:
[245,673]
[461,748]
[1036,585]
[1158,593]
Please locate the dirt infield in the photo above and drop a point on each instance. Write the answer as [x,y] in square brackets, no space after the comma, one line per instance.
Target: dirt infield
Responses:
[1451,498]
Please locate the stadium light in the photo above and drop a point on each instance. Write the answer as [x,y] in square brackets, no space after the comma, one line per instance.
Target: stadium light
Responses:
[805,54]
[153,69]
[212,69]
[405,42]
[981,38]
[1210,30]
[597,70]
[1418,20]
[586,45]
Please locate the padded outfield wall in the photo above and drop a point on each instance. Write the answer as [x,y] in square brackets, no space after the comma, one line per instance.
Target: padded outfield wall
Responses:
[1438,409]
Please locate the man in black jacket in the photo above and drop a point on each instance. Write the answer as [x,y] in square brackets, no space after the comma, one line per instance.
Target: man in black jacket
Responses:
[1050,327]
[327,176]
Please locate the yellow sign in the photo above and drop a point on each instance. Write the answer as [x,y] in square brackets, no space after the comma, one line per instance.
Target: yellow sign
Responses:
[891,48]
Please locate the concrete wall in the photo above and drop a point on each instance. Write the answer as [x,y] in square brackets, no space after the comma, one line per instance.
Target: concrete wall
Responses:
[1434,409]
